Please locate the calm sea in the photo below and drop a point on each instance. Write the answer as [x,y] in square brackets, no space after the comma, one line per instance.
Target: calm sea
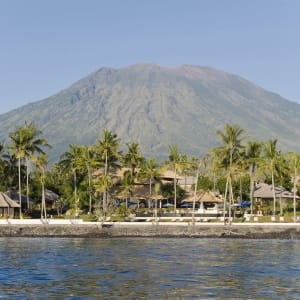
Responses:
[140,268]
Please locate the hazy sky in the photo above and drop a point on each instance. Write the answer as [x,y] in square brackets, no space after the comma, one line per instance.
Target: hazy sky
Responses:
[46,45]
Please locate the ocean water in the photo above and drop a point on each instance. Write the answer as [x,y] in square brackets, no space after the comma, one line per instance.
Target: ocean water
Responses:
[142,268]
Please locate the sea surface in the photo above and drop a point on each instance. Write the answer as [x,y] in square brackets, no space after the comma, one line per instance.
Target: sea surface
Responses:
[154,268]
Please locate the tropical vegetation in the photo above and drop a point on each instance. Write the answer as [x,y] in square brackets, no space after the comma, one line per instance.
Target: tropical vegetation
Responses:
[106,179]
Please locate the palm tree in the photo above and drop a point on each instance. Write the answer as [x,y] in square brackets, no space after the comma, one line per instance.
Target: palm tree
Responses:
[34,146]
[58,179]
[188,166]
[252,156]
[294,165]
[107,149]
[133,158]
[10,172]
[272,156]
[20,140]
[215,167]
[71,160]
[127,184]
[175,163]
[282,171]
[41,162]
[18,150]
[25,143]
[149,171]
[102,186]
[88,161]
[232,139]
[201,163]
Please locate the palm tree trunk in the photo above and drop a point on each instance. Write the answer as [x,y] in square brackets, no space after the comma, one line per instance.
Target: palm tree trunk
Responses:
[43,210]
[241,189]
[225,198]
[20,189]
[42,206]
[280,203]
[175,191]
[90,192]
[75,191]
[195,192]
[230,200]
[104,202]
[44,198]
[294,191]
[251,188]
[274,195]
[150,187]
[27,182]
[105,192]
[214,180]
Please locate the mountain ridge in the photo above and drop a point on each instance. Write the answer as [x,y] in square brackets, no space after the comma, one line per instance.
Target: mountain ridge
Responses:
[157,107]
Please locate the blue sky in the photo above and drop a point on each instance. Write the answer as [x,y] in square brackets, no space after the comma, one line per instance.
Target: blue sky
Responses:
[46,45]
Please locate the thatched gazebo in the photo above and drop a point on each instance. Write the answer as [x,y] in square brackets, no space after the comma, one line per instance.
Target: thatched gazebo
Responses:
[51,198]
[202,196]
[7,206]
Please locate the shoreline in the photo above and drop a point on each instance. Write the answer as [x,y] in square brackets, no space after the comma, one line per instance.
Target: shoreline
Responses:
[148,230]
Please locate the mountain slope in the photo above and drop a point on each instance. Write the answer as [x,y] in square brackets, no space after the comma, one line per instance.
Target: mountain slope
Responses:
[157,107]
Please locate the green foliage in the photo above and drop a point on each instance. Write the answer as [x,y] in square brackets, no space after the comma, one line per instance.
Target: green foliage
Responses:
[89,218]
[205,183]
[221,185]
[167,191]
[74,179]
[121,210]
[133,158]
[243,185]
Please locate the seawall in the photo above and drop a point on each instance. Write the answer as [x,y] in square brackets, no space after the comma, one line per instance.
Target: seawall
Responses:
[138,229]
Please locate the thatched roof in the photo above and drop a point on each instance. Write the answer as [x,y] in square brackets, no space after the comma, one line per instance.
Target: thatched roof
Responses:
[187,180]
[168,175]
[140,191]
[203,196]
[50,196]
[265,191]
[5,201]
[158,197]
[15,196]
[118,174]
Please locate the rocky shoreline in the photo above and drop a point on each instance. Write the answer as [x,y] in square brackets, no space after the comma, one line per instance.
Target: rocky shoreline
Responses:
[110,230]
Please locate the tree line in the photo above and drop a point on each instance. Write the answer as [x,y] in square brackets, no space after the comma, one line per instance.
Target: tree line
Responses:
[84,175]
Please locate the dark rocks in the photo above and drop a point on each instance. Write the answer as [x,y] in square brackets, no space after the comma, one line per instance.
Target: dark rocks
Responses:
[256,231]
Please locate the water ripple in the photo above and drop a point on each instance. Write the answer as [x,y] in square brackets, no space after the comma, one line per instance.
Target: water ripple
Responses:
[134,268]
